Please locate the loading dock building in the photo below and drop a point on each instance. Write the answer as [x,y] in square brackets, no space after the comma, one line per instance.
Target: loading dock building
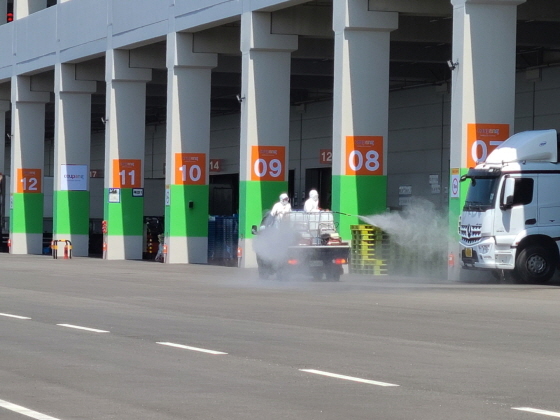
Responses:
[184,109]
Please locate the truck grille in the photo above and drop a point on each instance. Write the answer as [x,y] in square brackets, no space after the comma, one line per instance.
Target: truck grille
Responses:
[470,234]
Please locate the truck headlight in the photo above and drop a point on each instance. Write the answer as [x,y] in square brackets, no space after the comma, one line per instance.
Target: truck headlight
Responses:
[484,249]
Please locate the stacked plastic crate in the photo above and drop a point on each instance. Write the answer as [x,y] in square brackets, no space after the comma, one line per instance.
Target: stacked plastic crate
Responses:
[368,250]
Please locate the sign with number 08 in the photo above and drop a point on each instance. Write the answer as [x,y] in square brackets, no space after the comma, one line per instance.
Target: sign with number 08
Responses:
[364,155]
[268,163]
[190,168]
[482,139]
[127,173]
[29,180]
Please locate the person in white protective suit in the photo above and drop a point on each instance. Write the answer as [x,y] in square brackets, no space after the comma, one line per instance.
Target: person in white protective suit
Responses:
[282,207]
[312,203]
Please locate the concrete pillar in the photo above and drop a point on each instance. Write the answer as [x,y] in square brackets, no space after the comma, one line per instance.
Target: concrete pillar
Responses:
[71,158]
[483,91]
[4,107]
[360,109]
[265,123]
[3,11]
[187,150]
[23,8]
[28,150]
[124,155]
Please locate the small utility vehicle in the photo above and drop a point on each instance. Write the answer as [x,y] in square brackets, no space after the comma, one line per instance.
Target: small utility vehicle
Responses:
[302,243]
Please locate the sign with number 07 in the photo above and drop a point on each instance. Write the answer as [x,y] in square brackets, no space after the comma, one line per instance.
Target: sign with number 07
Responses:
[364,155]
[190,168]
[127,173]
[29,180]
[268,163]
[482,139]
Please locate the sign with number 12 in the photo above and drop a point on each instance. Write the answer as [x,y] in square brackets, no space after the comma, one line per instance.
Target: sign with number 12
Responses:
[29,180]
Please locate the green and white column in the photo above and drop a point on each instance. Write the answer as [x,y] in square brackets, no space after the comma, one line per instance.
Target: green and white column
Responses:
[187,150]
[360,109]
[72,158]
[125,133]
[265,123]
[483,93]
[4,107]
[28,146]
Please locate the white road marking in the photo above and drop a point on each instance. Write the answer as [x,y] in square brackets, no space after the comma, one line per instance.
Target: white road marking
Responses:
[25,411]
[537,411]
[82,328]
[180,346]
[348,378]
[15,316]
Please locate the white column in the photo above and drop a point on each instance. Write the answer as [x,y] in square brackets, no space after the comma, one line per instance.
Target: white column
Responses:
[360,108]
[187,150]
[483,89]
[265,119]
[23,8]
[72,158]
[4,107]
[124,155]
[28,150]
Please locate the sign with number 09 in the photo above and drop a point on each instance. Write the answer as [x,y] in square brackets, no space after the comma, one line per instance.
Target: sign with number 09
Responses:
[268,163]
[364,155]
[190,168]
[29,180]
[127,173]
[482,139]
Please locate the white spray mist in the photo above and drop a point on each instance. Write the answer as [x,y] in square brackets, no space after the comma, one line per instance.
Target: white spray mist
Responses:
[421,233]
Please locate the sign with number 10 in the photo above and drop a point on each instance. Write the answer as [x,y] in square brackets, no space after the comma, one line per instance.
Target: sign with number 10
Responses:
[190,168]
[268,163]
[127,173]
[29,180]
[364,155]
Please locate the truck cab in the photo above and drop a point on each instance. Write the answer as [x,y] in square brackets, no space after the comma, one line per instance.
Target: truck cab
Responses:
[510,221]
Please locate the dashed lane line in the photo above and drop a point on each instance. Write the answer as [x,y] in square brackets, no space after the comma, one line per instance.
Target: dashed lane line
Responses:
[347,378]
[537,411]
[15,316]
[82,328]
[181,346]
[25,411]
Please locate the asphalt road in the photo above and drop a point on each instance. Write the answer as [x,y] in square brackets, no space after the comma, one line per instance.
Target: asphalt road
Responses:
[94,339]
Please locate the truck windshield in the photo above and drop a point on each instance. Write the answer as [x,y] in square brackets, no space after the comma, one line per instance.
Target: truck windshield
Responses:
[481,194]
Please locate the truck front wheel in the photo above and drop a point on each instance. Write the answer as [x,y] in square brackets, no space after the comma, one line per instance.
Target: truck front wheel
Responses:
[535,264]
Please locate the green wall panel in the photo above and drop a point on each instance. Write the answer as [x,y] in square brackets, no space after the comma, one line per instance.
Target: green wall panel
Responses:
[254,198]
[127,217]
[361,195]
[71,212]
[180,220]
[26,216]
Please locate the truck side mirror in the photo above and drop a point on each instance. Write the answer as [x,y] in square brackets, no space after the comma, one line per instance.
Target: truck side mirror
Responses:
[254,229]
[507,193]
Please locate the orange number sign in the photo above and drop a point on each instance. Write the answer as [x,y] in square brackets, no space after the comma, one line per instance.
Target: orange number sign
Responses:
[29,180]
[190,168]
[364,155]
[482,139]
[268,163]
[127,173]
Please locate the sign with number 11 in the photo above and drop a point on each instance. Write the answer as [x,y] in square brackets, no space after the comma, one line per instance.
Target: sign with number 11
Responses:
[127,173]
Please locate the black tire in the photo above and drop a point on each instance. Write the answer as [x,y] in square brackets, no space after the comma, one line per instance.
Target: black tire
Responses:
[535,264]
[334,272]
[263,273]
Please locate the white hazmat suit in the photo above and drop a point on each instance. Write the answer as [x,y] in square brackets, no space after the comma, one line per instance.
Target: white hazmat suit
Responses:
[282,207]
[312,203]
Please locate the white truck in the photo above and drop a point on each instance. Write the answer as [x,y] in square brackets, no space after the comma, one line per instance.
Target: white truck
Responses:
[510,222]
